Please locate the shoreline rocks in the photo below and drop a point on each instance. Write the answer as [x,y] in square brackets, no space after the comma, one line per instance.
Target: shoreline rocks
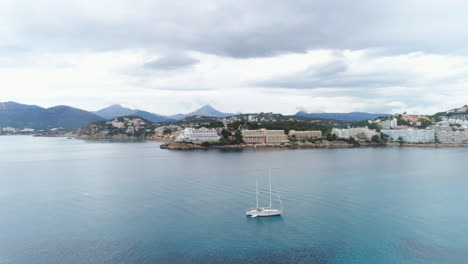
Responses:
[189,146]
[327,144]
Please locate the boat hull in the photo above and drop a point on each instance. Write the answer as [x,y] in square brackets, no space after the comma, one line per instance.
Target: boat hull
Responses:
[263,212]
[268,215]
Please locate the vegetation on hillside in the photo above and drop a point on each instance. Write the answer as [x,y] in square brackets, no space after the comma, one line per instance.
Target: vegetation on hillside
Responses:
[366,124]
[128,126]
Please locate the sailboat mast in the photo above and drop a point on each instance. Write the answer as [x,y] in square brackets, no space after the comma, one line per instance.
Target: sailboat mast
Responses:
[269,174]
[256,190]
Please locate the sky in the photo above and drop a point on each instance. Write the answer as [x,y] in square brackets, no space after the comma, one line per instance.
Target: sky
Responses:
[237,55]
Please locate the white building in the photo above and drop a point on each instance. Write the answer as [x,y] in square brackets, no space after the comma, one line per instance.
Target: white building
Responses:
[355,132]
[116,123]
[462,122]
[452,137]
[411,136]
[389,124]
[9,129]
[385,124]
[198,135]
[301,135]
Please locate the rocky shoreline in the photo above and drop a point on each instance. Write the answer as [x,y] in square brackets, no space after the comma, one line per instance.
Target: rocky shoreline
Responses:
[426,145]
[171,145]
[99,136]
[333,144]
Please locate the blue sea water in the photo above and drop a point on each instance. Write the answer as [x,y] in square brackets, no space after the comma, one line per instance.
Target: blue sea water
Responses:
[73,201]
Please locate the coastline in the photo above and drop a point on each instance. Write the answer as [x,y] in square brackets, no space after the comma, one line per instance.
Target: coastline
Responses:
[94,137]
[171,145]
[191,146]
[427,145]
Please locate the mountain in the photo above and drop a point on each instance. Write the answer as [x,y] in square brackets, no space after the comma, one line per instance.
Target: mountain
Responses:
[178,116]
[114,111]
[31,116]
[155,118]
[206,110]
[347,117]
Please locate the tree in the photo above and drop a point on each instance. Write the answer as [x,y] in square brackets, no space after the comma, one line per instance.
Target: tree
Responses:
[400,140]
[402,122]
[167,131]
[385,137]
[215,124]
[236,125]
[238,137]
[351,140]
[331,137]
[375,138]
[293,138]
[361,136]
[226,134]
[424,123]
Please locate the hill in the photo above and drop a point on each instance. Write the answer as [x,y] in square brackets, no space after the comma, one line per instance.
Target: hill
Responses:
[127,127]
[198,120]
[31,116]
[155,118]
[207,111]
[458,113]
[114,111]
[346,117]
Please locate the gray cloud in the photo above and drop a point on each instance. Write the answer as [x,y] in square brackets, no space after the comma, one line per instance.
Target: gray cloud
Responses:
[60,31]
[336,74]
[171,62]
[239,28]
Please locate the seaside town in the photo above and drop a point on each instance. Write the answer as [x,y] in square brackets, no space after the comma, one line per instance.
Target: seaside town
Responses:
[275,130]
[401,129]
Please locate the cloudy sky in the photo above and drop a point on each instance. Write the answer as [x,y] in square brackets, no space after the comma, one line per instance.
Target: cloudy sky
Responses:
[237,55]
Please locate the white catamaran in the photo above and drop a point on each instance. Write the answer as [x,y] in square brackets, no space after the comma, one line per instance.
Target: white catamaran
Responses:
[264,211]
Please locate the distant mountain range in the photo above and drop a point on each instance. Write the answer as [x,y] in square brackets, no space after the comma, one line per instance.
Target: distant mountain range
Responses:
[114,111]
[206,110]
[31,116]
[346,117]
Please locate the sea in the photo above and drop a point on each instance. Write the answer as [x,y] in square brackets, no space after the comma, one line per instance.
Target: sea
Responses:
[73,201]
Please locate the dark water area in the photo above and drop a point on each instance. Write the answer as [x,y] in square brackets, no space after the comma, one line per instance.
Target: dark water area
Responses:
[73,201]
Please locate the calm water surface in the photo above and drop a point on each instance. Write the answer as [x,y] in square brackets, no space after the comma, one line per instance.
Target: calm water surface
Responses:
[71,201]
